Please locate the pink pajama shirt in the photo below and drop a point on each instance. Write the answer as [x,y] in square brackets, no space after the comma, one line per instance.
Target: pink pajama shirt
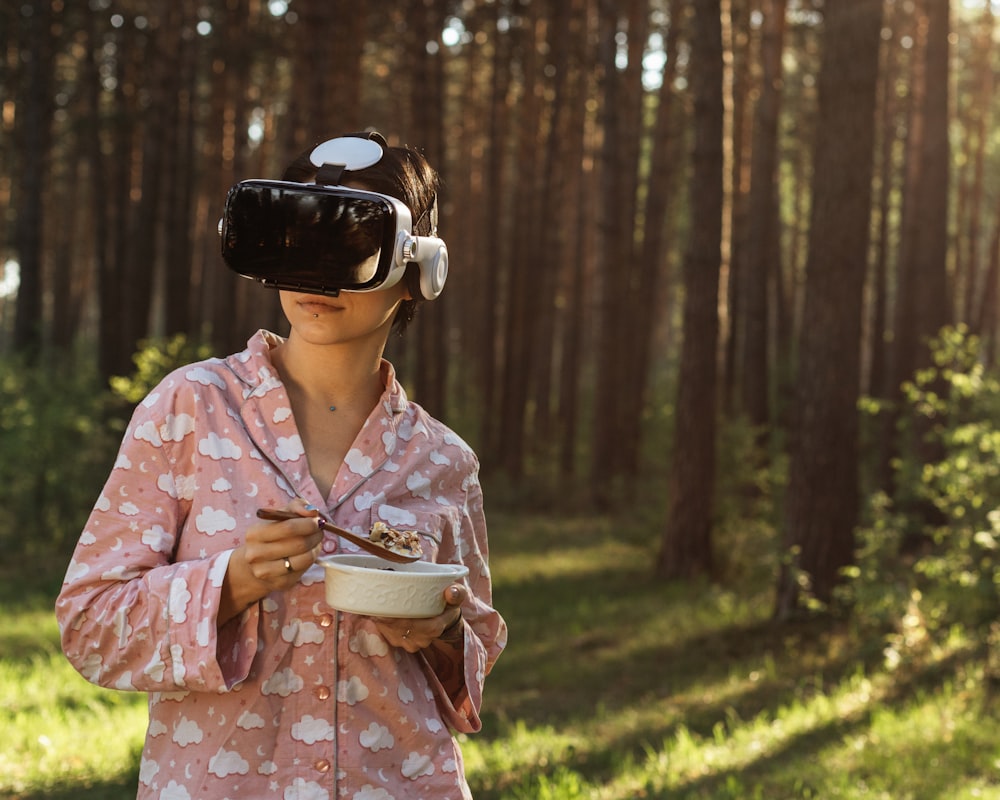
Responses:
[291,699]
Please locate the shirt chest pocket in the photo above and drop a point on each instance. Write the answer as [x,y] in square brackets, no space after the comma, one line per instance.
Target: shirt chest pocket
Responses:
[431,526]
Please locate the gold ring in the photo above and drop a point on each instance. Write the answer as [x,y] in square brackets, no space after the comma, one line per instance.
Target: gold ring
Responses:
[288,565]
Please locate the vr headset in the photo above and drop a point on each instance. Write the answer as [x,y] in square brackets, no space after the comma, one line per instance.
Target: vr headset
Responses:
[324,238]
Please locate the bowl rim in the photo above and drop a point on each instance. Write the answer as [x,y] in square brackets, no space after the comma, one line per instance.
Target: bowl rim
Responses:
[338,561]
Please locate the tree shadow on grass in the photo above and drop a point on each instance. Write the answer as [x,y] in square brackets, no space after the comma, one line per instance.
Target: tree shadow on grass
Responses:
[600,763]
[561,669]
[933,783]
[700,718]
[576,676]
[122,787]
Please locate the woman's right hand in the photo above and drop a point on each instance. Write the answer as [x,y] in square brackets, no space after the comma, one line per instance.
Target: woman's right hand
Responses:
[272,558]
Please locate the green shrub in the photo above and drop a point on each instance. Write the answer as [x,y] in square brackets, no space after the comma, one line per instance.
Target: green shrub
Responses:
[60,427]
[154,360]
[58,442]
[948,574]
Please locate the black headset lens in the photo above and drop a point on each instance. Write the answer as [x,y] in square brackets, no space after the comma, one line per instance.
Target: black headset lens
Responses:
[309,238]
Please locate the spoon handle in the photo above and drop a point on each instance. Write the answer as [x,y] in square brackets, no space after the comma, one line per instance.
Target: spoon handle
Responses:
[276,514]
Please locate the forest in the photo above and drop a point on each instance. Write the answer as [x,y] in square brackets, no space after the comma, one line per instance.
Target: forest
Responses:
[702,253]
[721,325]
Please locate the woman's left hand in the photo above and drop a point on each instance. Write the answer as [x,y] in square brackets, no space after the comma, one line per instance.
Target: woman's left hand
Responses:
[416,634]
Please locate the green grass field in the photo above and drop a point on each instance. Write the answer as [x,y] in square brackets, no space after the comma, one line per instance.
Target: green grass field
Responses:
[613,687]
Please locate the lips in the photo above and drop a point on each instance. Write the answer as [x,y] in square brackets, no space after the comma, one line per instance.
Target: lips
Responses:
[317,306]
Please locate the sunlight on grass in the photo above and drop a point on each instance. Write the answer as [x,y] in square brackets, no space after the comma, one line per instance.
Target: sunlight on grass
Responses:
[547,548]
[841,745]
[56,728]
[27,631]
[615,686]
[520,751]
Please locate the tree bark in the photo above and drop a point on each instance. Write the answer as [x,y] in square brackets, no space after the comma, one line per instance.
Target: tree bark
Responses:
[879,280]
[651,289]
[490,343]
[686,548]
[924,298]
[615,445]
[431,374]
[761,263]
[976,125]
[33,136]
[822,499]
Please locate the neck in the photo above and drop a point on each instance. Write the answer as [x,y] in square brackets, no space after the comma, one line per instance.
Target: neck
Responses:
[330,375]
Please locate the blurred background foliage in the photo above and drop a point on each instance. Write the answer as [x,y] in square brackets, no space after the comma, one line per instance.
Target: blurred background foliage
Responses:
[700,251]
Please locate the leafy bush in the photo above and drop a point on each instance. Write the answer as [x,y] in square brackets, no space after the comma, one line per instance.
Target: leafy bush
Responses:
[60,427]
[58,442]
[154,360]
[750,485]
[950,576]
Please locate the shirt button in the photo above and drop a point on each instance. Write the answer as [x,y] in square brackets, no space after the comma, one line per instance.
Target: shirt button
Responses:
[322,692]
[322,765]
[325,621]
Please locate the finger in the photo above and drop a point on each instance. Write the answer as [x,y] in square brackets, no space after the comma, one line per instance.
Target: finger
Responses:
[269,546]
[456,594]
[294,564]
[399,633]
[302,506]
[307,527]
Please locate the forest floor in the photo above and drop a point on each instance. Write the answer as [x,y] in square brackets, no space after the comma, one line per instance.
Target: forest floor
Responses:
[614,686]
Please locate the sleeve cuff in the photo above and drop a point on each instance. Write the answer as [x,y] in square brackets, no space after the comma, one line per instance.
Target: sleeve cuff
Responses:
[461,713]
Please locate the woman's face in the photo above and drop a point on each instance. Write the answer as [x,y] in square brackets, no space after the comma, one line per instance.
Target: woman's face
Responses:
[349,317]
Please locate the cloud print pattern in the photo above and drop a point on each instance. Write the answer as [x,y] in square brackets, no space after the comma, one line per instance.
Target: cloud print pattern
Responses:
[291,699]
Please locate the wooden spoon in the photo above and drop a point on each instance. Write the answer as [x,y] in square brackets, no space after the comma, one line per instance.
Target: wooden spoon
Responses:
[365,544]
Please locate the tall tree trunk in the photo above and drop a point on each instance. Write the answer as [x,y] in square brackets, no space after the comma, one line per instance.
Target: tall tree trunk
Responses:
[614,440]
[572,139]
[33,136]
[492,347]
[651,288]
[552,238]
[66,290]
[158,117]
[524,304]
[467,301]
[888,107]
[822,499]
[115,352]
[178,245]
[431,376]
[924,296]
[686,548]
[609,231]
[640,275]
[977,117]
[91,88]
[986,313]
[897,351]
[760,265]
[739,39]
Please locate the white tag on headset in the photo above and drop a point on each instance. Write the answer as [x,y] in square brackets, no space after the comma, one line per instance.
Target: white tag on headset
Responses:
[351,152]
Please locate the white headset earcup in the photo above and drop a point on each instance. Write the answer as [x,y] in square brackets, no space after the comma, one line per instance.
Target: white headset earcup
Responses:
[434,273]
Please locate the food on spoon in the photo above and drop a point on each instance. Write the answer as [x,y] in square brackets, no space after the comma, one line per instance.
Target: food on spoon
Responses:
[406,543]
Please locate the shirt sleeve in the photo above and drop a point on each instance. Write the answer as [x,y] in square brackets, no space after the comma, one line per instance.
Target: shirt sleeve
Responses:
[131,616]
[485,628]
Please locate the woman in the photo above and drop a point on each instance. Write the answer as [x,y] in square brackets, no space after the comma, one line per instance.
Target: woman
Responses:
[256,687]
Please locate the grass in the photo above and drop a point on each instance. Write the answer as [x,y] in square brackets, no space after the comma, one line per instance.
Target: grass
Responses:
[61,735]
[614,687]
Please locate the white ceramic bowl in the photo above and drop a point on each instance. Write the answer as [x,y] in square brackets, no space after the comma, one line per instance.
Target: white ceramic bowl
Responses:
[364,584]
